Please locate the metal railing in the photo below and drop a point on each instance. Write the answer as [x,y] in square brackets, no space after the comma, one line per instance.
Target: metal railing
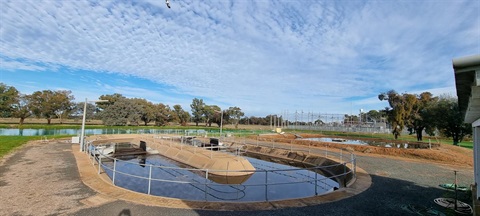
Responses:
[151,178]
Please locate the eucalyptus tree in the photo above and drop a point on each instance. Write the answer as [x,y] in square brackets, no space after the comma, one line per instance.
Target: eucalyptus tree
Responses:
[212,114]
[235,113]
[181,115]
[49,104]
[122,112]
[9,96]
[163,114]
[146,110]
[197,107]
[90,111]
[396,113]
[449,120]
[111,100]
[374,115]
[420,116]
[22,108]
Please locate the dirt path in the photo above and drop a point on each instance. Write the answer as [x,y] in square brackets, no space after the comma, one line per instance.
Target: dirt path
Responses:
[41,179]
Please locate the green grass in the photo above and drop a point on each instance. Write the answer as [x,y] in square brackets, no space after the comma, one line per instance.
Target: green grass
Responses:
[10,143]
[466,144]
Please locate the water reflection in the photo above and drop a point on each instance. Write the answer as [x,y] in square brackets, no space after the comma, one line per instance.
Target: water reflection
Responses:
[175,182]
[76,131]
[360,142]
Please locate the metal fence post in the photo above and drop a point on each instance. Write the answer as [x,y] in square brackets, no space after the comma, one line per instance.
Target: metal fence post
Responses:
[341,155]
[99,163]
[150,179]
[206,187]
[266,185]
[355,167]
[114,167]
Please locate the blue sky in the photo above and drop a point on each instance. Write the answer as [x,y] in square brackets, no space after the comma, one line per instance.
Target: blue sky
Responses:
[265,57]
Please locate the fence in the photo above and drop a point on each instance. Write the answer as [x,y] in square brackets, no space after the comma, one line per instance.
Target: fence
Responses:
[265,184]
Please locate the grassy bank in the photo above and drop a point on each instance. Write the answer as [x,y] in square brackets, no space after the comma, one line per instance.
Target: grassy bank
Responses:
[10,143]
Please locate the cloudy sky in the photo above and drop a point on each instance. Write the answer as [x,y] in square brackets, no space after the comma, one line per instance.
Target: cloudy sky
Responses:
[262,56]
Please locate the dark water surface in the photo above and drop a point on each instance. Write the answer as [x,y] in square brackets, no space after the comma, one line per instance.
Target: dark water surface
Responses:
[185,184]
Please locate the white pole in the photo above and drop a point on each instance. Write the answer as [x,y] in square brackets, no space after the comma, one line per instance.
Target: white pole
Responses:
[221,124]
[83,125]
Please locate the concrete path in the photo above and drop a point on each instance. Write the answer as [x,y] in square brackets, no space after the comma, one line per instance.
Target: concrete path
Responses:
[43,179]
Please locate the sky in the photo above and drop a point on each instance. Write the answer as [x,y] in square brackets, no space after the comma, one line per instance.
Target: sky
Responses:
[266,57]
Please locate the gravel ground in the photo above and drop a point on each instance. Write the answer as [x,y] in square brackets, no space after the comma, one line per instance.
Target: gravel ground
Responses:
[42,179]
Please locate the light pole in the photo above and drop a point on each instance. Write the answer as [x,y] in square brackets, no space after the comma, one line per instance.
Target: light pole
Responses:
[83,122]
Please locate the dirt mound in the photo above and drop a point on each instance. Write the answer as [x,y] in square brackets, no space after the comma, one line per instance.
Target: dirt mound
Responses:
[440,153]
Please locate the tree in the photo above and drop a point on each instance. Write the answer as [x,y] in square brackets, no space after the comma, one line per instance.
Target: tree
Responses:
[123,112]
[397,112]
[22,108]
[90,113]
[449,120]
[181,115]
[147,110]
[420,116]
[111,100]
[163,114]
[9,96]
[374,115]
[197,110]
[212,114]
[50,104]
[235,114]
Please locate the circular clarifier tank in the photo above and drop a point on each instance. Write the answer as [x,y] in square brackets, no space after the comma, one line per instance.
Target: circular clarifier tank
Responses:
[160,176]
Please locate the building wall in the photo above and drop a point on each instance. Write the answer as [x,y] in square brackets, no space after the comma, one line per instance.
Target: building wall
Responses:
[476,154]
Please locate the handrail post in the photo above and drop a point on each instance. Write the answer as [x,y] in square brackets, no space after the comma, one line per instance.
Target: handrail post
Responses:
[206,187]
[114,167]
[316,193]
[99,164]
[150,179]
[266,185]
[341,155]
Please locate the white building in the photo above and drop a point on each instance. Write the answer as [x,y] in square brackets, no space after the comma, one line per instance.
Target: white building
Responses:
[467,79]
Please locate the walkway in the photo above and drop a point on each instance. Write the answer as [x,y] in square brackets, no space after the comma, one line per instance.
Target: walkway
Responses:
[43,179]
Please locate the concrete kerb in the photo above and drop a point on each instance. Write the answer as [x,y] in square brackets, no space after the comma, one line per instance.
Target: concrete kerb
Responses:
[102,184]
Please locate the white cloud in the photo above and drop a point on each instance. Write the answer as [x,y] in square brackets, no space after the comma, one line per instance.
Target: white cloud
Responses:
[259,55]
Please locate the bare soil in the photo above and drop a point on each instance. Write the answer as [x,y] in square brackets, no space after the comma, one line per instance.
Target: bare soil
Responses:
[441,153]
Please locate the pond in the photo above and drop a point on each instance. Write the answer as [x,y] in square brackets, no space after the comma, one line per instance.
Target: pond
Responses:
[77,131]
[360,142]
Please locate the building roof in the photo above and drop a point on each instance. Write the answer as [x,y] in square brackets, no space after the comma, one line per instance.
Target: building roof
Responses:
[467,79]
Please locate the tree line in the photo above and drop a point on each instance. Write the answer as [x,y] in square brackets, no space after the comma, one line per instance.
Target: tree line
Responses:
[415,113]
[117,111]
[424,112]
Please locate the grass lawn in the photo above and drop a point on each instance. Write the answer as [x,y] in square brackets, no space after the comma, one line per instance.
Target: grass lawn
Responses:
[10,143]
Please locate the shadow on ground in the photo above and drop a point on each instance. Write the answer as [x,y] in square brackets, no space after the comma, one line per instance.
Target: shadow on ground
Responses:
[386,196]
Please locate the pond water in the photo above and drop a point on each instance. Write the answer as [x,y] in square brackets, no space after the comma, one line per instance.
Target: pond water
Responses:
[77,131]
[359,142]
[284,182]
